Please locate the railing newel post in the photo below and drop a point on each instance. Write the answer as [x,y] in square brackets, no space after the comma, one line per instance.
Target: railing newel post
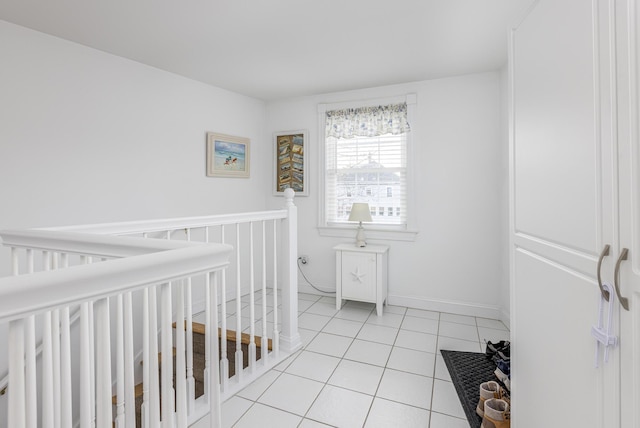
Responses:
[290,337]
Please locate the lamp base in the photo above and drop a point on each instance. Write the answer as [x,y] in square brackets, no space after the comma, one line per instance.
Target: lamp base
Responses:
[360,242]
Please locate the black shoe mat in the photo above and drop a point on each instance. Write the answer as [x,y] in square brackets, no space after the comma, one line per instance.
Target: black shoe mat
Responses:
[468,370]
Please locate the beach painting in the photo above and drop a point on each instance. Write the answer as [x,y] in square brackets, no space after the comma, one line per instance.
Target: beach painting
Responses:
[227,156]
[290,162]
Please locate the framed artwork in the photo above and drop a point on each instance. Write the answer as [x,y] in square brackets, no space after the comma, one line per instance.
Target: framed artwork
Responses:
[291,162]
[227,156]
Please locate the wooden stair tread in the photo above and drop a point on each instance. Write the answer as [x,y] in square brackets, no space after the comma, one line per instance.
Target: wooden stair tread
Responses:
[199,328]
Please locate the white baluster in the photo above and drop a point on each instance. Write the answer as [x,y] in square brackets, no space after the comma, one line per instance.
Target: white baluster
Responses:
[17,406]
[181,380]
[120,423]
[213,393]
[129,379]
[17,380]
[239,359]
[166,329]
[31,387]
[154,370]
[146,358]
[92,358]
[209,363]
[85,368]
[264,350]
[224,362]
[55,341]
[31,383]
[48,412]
[191,382]
[252,310]
[66,418]
[103,364]
[276,334]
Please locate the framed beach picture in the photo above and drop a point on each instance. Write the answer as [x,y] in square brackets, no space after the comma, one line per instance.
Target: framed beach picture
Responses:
[227,156]
[290,148]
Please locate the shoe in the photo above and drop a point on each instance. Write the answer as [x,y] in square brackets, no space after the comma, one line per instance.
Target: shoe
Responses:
[488,390]
[502,347]
[496,414]
[503,373]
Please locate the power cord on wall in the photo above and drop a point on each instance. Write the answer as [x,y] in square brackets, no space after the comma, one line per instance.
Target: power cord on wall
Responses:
[309,282]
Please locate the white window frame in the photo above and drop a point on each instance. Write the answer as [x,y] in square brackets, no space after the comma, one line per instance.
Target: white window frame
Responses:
[406,232]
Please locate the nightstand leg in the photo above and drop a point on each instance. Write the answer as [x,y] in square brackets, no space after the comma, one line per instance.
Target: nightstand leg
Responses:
[379,308]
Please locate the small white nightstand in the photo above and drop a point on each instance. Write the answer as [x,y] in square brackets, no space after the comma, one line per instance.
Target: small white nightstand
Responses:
[361,274]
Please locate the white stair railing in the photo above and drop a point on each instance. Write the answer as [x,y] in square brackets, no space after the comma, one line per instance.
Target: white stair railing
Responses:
[57,248]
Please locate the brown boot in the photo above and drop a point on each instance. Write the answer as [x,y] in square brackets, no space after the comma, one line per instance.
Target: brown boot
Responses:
[496,414]
[488,390]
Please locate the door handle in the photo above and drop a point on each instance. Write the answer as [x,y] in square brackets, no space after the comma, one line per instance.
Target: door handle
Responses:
[603,254]
[616,281]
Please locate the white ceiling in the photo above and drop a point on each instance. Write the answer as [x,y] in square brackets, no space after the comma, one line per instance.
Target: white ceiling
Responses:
[271,49]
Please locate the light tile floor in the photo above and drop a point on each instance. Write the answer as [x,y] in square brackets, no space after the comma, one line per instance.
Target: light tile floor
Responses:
[360,370]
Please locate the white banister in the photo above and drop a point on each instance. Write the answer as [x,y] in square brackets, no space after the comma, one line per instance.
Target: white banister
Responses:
[130,270]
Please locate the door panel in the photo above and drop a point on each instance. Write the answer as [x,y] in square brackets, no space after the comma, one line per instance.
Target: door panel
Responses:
[556,199]
[555,308]
[358,276]
[561,216]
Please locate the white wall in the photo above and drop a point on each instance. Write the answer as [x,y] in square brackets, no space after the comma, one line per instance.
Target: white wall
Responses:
[456,262]
[89,137]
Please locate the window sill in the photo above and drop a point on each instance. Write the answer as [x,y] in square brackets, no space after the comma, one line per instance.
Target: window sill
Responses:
[370,233]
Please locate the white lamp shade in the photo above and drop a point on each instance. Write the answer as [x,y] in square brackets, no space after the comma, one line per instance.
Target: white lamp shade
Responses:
[360,212]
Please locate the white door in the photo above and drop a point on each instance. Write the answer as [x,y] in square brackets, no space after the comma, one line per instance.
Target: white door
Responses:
[561,214]
[627,240]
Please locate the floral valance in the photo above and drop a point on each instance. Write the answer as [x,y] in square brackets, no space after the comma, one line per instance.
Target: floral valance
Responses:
[367,121]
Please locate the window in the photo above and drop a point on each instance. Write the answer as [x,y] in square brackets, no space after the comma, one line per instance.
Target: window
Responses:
[366,161]
[366,158]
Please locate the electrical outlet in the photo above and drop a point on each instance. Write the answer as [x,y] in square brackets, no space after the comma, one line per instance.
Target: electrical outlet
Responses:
[304,259]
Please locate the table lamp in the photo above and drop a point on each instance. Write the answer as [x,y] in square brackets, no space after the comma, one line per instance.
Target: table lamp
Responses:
[360,212]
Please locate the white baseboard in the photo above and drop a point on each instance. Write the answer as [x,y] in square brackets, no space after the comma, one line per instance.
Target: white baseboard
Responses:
[448,306]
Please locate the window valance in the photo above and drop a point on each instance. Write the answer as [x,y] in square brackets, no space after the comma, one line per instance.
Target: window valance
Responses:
[367,121]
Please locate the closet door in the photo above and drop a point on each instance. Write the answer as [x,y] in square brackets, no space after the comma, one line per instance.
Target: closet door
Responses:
[625,25]
[561,216]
